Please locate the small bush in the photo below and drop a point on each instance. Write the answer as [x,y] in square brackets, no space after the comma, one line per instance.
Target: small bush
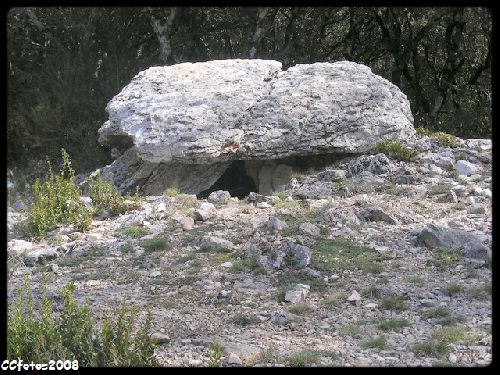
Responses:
[440,137]
[393,324]
[394,149]
[303,358]
[376,342]
[280,194]
[56,201]
[450,334]
[105,197]
[73,335]
[244,320]
[249,264]
[432,348]
[300,309]
[171,192]
[453,289]
[331,254]
[155,244]
[127,248]
[336,299]
[214,353]
[353,330]
[133,231]
[395,303]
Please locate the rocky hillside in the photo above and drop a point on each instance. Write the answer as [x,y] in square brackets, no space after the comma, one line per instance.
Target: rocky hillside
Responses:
[369,261]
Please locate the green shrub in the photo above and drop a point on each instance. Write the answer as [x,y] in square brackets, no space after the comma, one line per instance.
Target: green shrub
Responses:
[375,342]
[73,335]
[133,231]
[155,244]
[394,149]
[244,320]
[105,197]
[453,289]
[299,309]
[395,303]
[440,137]
[340,254]
[303,358]
[56,201]
[432,348]
[393,324]
[214,353]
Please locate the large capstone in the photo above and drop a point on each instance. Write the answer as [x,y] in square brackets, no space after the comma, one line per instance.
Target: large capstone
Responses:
[183,125]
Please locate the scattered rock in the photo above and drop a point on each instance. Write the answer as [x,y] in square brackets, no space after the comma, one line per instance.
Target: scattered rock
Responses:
[215,244]
[433,236]
[276,225]
[476,208]
[466,168]
[354,298]
[205,211]
[219,197]
[233,359]
[160,338]
[19,246]
[310,229]
[40,256]
[376,214]
[94,237]
[282,319]
[449,197]
[375,164]
[297,294]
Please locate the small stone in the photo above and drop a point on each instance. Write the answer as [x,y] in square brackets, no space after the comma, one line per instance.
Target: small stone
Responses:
[470,200]
[459,190]
[452,358]
[19,246]
[205,211]
[54,268]
[371,306]
[298,293]
[465,168]
[476,190]
[354,298]
[93,237]
[195,362]
[334,277]
[161,207]
[186,222]
[434,169]
[324,325]
[233,359]
[219,197]
[87,201]
[41,256]
[281,319]
[450,197]
[310,229]
[227,264]
[275,225]
[476,208]
[160,338]
[155,274]
[487,193]
[263,205]
[215,244]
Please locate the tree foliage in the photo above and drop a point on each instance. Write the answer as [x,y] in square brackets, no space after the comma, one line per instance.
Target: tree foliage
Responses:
[65,64]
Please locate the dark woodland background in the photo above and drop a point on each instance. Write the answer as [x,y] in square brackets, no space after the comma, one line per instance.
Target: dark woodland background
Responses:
[65,64]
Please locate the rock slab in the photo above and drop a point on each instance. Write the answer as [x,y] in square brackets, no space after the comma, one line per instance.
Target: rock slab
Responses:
[217,111]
